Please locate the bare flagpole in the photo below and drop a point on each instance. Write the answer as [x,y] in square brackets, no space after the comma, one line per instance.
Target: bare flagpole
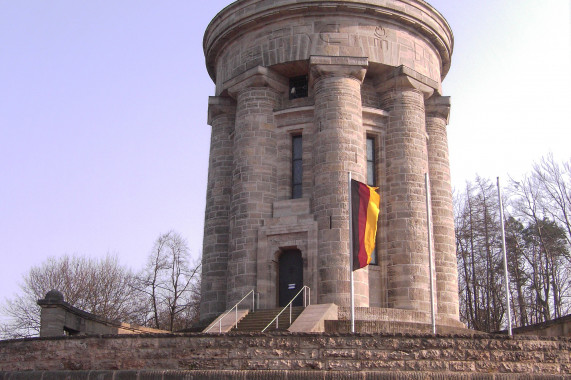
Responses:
[351,258]
[506,279]
[429,228]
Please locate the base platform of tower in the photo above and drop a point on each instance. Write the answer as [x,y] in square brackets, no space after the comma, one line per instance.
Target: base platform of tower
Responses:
[306,92]
[329,318]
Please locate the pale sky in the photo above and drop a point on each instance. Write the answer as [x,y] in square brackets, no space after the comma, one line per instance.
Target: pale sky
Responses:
[103,134]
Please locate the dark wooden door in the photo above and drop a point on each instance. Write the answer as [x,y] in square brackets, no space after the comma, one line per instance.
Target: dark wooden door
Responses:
[290,277]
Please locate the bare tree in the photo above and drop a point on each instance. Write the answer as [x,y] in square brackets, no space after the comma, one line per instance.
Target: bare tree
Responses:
[515,250]
[171,283]
[537,245]
[554,181]
[165,295]
[98,286]
[479,257]
[547,241]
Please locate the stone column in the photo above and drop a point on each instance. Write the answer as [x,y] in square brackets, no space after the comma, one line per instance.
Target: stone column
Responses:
[221,116]
[339,147]
[406,164]
[437,112]
[258,92]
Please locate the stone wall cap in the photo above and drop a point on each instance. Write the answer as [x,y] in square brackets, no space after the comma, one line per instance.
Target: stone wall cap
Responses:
[54,295]
[286,334]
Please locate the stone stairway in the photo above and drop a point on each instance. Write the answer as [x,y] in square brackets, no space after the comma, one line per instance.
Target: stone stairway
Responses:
[256,321]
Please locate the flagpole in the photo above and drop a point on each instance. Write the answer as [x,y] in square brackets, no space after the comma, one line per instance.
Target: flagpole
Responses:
[429,228]
[506,279]
[351,258]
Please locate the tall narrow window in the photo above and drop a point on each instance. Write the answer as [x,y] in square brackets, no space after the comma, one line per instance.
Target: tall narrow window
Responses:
[296,167]
[371,161]
[371,180]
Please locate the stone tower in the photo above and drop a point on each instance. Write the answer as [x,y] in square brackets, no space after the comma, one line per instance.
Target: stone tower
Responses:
[306,91]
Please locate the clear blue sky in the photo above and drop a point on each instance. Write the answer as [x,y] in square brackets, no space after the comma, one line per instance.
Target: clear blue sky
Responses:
[103,134]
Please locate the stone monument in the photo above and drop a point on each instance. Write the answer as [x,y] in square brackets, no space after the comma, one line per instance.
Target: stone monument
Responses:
[306,91]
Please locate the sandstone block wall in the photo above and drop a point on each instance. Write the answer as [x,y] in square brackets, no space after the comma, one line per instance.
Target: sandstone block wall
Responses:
[262,375]
[364,355]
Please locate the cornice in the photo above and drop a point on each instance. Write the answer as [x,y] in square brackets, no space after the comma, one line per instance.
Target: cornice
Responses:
[403,76]
[244,15]
[218,105]
[438,106]
[256,77]
[326,66]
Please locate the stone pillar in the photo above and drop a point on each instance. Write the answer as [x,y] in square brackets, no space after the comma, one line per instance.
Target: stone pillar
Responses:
[339,147]
[258,92]
[406,164]
[52,315]
[437,112]
[221,116]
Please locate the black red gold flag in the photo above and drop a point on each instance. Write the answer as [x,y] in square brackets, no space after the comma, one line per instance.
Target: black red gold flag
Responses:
[365,203]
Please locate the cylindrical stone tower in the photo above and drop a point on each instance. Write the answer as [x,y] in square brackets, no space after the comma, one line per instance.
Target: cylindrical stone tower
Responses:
[307,91]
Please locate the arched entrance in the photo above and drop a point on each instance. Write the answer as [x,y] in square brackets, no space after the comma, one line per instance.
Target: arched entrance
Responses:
[290,277]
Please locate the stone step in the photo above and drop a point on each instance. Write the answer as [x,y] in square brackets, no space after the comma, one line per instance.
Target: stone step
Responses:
[267,320]
[258,320]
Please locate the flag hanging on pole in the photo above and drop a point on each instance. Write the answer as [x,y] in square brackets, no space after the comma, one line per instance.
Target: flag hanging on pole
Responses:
[365,203]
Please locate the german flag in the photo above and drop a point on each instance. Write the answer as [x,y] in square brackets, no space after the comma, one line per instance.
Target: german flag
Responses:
[365,203]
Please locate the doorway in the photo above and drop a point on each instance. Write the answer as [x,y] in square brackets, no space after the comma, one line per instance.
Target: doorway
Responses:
[290,269]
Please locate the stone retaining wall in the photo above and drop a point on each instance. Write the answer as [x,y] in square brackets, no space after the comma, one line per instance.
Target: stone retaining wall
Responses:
[555,327]
[262,375]
[369,355]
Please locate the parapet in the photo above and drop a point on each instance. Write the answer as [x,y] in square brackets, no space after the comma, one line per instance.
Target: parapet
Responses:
[59,318]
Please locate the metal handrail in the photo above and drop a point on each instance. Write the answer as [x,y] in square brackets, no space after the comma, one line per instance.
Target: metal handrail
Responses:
[306,297]
[253,291]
